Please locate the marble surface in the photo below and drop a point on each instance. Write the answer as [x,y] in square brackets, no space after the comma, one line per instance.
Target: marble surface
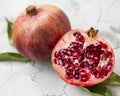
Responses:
[38,78]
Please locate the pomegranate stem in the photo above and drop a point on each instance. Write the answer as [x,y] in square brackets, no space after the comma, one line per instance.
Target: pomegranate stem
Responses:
[92,32]
[31,10]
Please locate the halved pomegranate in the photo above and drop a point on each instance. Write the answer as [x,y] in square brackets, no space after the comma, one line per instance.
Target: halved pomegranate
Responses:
[82,58]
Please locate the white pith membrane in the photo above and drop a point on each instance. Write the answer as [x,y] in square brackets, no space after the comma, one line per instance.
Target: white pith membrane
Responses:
[86,75]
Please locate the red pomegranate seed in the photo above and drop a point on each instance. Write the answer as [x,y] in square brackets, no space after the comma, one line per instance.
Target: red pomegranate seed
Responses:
[80,58]
[93,71]
[80,47]
[88,49]
[69,76]
[92,61]
[69,60]
[85,77]
[63,61]
[65,51]
[92,46]
[90,67]
[97,60]
[103,45]
[108,54]
[87,55]
[76,65]
[77,71]
[67,65]
[95,65]
[90,55]
[80,38]
[96,57]
[109,66]
[72,66]
[75,53]
[99,47]
[56,54]
[56,61]
[74,48]
[78,44]
[105,72]
[102,52]
[106,69]
[97,52]
[84,64]
[68,52]
[76,76]
[110,61]
[95,49]
[82,72]
[98,75]
[69,71]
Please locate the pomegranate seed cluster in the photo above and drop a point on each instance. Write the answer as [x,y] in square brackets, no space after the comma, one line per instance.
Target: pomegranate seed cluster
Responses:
[81,62]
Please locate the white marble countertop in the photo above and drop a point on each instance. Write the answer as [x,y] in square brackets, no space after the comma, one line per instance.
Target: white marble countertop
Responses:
[39,79]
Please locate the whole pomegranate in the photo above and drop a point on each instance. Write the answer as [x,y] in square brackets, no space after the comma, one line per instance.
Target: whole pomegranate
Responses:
[37,30]
[82,58]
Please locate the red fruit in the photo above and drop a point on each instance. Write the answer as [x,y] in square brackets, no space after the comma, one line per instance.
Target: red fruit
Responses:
[37,30]
[82,58]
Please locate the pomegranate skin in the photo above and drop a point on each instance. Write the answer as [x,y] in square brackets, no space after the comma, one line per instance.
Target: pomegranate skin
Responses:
[36,33]
[59,54]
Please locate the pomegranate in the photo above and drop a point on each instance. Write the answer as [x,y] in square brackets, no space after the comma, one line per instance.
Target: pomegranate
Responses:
[37,30]
[82,58]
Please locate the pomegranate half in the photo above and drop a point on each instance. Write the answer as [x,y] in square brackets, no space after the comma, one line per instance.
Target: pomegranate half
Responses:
[37,30]
[82,58]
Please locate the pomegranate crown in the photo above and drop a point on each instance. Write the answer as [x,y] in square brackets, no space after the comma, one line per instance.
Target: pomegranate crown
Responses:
[92,32]
[31,10]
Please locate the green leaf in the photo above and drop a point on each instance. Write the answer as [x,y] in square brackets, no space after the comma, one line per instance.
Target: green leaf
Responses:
[113,79]
[98,90]
[9,30]
[93,94]
[13,57]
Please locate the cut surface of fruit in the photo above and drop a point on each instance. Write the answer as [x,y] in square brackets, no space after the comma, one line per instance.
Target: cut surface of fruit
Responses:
[82,58]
